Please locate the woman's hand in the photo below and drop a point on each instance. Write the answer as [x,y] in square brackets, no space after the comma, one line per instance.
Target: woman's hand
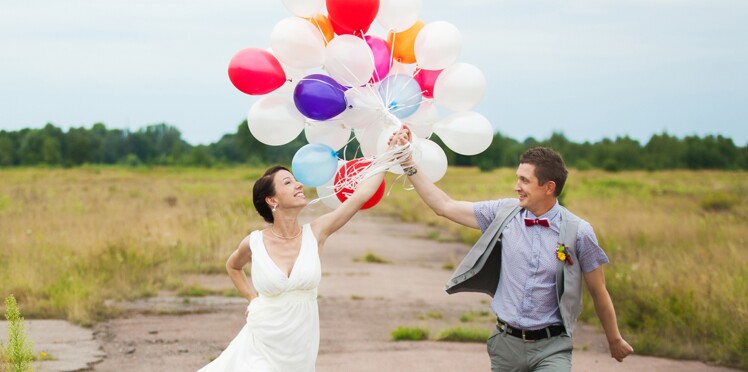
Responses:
[401,138]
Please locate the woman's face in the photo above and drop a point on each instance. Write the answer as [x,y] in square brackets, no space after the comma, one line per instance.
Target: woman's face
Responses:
[289,193]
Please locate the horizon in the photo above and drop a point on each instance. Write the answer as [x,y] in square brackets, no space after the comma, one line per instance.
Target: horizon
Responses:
[590,71]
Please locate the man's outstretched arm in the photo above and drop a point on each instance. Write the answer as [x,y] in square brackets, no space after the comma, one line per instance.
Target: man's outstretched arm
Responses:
[443,205]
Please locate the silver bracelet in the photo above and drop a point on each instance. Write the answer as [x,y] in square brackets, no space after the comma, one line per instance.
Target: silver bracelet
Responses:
[409,171]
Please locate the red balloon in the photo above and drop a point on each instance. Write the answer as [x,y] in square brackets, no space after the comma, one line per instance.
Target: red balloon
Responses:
[426,79]
[353,15]
[339,30]
[256,71]
[347,171]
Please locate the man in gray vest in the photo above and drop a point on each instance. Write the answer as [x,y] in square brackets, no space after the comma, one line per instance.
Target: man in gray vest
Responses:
[531,259]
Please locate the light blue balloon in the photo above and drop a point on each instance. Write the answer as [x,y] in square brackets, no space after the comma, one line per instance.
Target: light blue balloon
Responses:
[401,94]
[314,164]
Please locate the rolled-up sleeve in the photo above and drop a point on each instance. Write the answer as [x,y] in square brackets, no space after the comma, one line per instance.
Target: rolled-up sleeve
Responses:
[590,255]
[485,212]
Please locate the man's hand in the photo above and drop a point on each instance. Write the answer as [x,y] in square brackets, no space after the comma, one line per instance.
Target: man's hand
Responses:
[620,349]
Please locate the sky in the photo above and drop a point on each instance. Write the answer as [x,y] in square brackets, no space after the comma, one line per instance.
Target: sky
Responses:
[589,69]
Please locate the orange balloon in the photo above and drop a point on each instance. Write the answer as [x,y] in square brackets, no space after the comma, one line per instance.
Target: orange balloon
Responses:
[404,41]
[324,26]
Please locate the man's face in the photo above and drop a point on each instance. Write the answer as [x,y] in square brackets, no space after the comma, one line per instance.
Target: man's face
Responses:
[531,194]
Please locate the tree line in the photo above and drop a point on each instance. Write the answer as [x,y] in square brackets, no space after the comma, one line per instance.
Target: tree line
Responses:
[162,144]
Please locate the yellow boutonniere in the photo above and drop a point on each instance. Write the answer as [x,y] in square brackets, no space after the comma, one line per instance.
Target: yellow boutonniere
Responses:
[562,255]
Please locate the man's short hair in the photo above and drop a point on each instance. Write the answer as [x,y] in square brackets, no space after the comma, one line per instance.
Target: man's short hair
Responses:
[549,166]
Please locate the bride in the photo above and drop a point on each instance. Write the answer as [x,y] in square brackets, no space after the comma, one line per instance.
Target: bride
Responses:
[282,329]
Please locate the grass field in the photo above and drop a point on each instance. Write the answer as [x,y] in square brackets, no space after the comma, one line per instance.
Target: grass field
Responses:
[73,239]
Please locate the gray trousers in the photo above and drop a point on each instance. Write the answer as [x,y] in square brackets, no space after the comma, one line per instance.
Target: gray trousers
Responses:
[511,354]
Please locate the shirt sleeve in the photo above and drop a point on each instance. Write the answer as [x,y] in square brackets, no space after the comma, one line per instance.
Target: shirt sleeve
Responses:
[589,253]
[485,212]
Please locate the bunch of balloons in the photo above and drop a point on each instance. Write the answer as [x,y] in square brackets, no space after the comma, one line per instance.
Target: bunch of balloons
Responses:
[332,78]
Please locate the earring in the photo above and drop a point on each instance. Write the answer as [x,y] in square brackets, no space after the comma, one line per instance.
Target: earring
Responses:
[274,208]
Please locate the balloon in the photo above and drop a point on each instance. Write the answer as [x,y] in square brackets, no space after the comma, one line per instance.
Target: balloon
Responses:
[421,123]
[326,192]
[298,43]
[339,30]
[365,107]
[331,133]
[460,87]
[466,133]
[304,8]
[322,23]
[426,79]
[402,43]
[438,45]
[314,164]
[432,160]
[293,75]
[398,15]
[256,71]
[350,170]
[401,95]
[319,97]
[274,121]
[352,15]
[348,59]
[368,139]
[381,53]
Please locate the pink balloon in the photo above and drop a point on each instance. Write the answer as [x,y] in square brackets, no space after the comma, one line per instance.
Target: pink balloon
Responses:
[256,71]
[381,51]
[426,79]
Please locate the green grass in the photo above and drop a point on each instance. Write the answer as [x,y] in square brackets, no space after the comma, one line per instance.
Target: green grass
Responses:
[676,241]
[460,334]
[370,257]
[431,315]
[410,334]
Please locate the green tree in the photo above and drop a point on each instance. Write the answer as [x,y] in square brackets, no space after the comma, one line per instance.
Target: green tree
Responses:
[7,149]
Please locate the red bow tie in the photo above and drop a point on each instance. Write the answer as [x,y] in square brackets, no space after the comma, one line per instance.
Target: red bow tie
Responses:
[542,222]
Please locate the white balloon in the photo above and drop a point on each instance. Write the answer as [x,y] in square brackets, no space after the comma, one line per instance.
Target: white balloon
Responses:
[437,45]
[431,160]
[297,43]
[304,8]
[348,60]
[421,123]
[466,133]
[460,87]
[398,15]
[274,120]
[368,138]
[326,192]
[330,132]
[398,68]
[365,107]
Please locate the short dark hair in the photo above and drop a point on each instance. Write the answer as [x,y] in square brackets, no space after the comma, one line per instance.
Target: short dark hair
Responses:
[549,166]
[263,188]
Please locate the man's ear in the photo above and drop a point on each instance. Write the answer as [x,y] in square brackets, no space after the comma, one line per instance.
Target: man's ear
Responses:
[550,188]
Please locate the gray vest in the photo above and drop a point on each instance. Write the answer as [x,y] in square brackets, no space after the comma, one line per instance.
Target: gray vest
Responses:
[479,271]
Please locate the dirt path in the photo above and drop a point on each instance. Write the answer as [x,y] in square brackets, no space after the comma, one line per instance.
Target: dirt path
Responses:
[360,304]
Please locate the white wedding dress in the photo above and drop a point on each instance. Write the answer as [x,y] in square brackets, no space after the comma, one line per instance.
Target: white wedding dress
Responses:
[282,330]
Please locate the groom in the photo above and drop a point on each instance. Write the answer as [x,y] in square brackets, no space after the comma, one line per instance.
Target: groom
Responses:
[531,259]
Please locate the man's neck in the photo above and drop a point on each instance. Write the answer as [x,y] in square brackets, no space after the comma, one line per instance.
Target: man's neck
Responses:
[544,208]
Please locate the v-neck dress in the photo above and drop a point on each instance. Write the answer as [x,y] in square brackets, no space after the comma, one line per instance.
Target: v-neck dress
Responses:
[282,330]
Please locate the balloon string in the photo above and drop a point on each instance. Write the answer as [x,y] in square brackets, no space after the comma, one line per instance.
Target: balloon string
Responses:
[352,176]
[319,28]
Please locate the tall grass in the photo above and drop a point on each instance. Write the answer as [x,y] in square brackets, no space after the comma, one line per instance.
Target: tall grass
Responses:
[17,354]
[73,239]
[677,243]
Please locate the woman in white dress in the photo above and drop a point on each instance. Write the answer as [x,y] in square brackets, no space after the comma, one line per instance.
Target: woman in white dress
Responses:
[282,329]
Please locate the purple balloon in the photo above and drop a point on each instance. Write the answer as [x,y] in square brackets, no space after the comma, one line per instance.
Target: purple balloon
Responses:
[319,97]
[381,52]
